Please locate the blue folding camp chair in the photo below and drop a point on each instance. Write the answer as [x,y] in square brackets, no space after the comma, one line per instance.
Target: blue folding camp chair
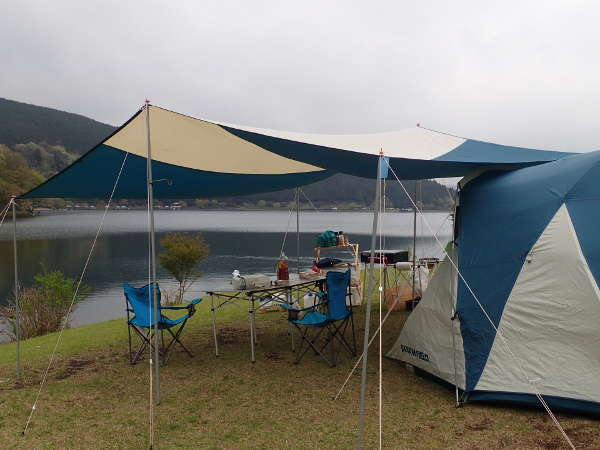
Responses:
[330,314]
[140,303]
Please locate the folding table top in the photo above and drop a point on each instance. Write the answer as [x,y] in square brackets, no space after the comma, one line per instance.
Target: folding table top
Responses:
[294,281]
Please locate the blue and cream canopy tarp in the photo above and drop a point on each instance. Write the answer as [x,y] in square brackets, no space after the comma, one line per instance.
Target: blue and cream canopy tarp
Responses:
[203,159]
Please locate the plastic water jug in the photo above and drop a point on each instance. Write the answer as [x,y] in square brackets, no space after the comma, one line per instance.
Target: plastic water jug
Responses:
[308,300]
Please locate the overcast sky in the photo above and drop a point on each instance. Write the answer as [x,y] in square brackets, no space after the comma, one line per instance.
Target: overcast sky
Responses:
[523,73]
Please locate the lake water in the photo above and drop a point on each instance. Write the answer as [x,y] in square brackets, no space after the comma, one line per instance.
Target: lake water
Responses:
[249,241]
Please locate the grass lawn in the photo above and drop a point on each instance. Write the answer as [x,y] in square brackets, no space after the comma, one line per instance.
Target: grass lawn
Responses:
[95,399]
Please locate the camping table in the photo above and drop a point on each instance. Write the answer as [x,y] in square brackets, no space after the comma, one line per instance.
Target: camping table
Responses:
[223,297]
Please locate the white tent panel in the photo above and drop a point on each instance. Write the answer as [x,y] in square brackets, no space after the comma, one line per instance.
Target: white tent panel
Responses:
[429,339]
[550,322]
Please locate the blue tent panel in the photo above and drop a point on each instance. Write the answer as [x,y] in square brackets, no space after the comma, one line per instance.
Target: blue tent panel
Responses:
[555,403]
[501,216]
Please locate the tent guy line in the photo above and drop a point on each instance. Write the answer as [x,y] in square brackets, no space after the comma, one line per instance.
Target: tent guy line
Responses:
[5,211]
[78,286]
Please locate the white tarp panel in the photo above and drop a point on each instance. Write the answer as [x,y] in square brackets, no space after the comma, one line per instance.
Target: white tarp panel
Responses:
[416,142]
[427,338]
[550,321]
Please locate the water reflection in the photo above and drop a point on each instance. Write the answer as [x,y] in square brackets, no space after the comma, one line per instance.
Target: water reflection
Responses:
[249,241]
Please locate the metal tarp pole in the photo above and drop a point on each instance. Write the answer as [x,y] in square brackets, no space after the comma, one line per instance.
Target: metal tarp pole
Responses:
[154,290]
[414,249]
[298,228]
[363,380]
[453,297]
[17,302]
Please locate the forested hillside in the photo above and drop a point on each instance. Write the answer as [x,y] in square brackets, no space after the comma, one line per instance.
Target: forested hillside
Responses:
[21,123]
[37,142]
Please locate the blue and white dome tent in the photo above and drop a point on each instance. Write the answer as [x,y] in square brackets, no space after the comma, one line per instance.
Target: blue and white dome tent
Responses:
[528,248]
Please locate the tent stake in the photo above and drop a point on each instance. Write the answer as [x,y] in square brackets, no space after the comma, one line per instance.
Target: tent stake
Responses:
[360,444]
[153,258]
[17,301]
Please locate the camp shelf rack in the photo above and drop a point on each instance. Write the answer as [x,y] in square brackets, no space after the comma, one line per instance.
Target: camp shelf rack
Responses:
[356,281]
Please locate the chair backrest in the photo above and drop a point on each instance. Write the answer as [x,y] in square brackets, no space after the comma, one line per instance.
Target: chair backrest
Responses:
[138,299]
[337,290]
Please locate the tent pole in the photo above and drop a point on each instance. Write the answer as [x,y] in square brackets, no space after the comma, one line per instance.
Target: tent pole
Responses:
[149,181]
[453,299]
[360,444]
[17,301]
[298,227]
[414,249]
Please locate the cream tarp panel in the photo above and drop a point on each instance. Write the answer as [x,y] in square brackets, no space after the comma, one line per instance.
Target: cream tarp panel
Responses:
[197,144]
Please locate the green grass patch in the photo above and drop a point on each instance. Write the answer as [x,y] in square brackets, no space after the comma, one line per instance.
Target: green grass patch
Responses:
[95,399]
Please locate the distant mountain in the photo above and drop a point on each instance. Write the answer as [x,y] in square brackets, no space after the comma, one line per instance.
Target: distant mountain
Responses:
[21,123]
[44,141]
[348,192]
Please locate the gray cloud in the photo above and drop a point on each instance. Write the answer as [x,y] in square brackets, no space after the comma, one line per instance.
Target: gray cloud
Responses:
[523,73]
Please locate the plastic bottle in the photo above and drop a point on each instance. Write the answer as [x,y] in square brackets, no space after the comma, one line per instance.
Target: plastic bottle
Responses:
[308,300]
[283,272]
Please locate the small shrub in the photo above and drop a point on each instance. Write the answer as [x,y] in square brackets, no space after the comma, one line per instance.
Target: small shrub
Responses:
[44,306]
[181,256]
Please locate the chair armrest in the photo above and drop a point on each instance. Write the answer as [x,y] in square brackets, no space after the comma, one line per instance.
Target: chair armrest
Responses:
[192,306]
[294,314]
[188,306]
[174,307]
[289,307]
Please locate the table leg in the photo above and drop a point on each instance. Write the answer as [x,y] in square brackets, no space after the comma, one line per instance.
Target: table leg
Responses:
[254,322]
[214,323]
[288,299]
[252,332]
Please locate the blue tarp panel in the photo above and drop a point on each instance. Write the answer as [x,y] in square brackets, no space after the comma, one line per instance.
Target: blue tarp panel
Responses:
[470,156]
[93,176]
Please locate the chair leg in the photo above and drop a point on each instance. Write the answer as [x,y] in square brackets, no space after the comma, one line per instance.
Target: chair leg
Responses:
[332,347]
[304,344]
[311,344]
[175,340]
[129,338]
[353,334]
[338,332]
[351,350]
[145,338]
[162,348]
